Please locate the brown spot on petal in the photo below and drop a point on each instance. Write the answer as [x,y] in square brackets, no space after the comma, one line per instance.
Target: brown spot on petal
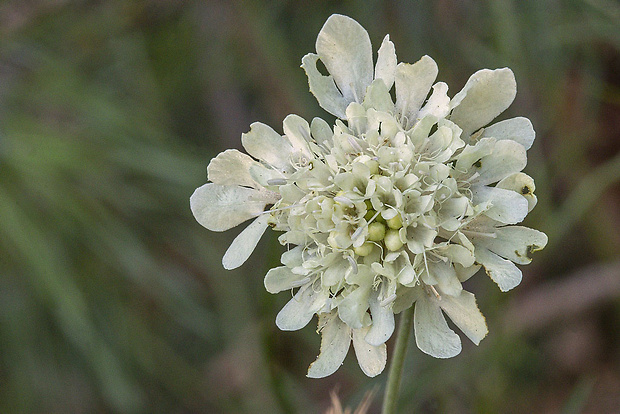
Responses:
[531,249]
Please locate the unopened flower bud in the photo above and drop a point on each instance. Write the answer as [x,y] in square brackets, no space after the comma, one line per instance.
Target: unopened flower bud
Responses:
[364,250]
[392,240]
[395,222]
[376,231]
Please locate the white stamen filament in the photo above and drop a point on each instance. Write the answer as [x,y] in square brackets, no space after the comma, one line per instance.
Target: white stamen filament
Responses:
[359,230]
[343,200]
[479,234]
[354,144]
[353,264]
[473,176]
[354,93]
[388,300]
[425,263]
[440,257]
[357,233]
[276,181]
[301,282]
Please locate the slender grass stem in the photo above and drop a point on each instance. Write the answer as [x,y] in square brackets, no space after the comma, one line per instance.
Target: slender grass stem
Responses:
[392,387]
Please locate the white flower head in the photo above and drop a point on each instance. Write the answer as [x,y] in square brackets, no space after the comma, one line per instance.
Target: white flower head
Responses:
[398,203]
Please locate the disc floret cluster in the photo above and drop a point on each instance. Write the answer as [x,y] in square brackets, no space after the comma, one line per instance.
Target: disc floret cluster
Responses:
[403,199]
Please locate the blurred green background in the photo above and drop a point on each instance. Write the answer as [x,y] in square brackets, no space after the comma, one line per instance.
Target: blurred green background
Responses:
[112,297]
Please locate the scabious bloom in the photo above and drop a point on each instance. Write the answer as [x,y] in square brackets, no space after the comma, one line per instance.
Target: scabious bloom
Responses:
[396,204]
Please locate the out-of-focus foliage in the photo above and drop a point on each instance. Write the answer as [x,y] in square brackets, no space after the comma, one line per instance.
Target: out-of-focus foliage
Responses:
[113,299]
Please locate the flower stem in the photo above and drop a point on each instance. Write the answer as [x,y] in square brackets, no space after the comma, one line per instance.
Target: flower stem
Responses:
[405,327]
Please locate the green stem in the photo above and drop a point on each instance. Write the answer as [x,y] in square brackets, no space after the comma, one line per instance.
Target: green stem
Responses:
[405,327]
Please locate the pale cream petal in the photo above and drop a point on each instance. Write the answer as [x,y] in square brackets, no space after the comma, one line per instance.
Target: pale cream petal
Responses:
[486,94]
[438,104]
[522,184]
[446,277]
[386,62]
[265,176]
[335,343]
[293,257]
[514,243]
[508,157]
[371,359]
[458,254]
[507,206]
[322,132]
[297,130]
[503,272]
[357,121]
[265,144]
[378,97]
[221,207]
[352,309]
[432,334]
[231,167]
[465,314]
[335,272]
[452,210]
[382,322]
[413,82]
[300,309]
[344,48]
[473,153]
[518,129]
[324,88]
[420,237]
[406,297]
[244,244]
[407,275]
[281,278]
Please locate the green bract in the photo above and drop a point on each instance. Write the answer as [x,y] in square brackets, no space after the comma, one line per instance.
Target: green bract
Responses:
[396,204]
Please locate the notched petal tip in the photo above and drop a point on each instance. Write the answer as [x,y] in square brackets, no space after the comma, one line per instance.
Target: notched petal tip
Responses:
[221,207]
[231,167]
[386,62]
[344,48]
[413,83]
[335,343]
[464,312]
[324,88]
[264,143]
[432,334]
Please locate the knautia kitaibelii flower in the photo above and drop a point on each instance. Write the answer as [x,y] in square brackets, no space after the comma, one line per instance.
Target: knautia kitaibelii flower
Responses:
[397,203]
